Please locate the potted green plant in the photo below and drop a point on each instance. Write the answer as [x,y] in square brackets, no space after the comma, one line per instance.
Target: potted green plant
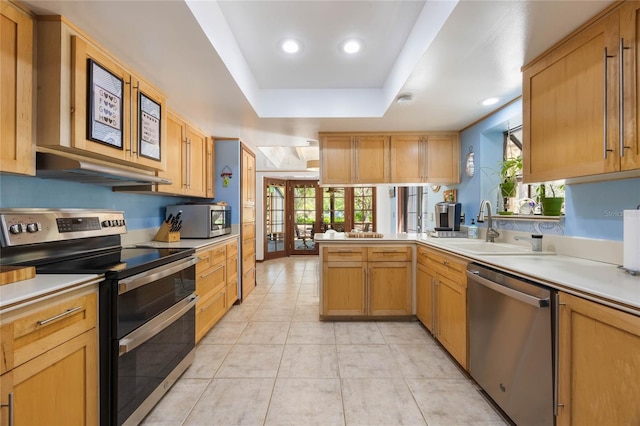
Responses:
[551,206]
[510,169]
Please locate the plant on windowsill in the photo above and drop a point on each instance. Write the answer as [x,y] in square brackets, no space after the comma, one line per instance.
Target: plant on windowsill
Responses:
[510,170]
[551,206]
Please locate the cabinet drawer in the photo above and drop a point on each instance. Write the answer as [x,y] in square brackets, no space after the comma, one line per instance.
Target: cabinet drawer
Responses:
[389,254]
[248,231]
[422,255]
[232,267]
[45,327]
[248,262]
[210,280]
[211,258]
[344,254]
[232,249]
[208,311]
[248,214]
[448,266]
[232,292]
[248,248]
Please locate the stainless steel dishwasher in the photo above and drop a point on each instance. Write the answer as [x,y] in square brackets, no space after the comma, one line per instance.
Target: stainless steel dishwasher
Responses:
[511,343]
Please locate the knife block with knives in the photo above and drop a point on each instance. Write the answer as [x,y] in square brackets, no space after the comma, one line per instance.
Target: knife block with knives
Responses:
[169,231]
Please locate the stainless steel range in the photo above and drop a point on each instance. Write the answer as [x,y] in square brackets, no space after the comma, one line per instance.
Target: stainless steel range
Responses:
[146,301]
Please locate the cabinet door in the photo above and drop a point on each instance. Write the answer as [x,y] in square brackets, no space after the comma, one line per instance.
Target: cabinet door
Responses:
[232,292]
[110,82]
[564,109]
[371,156]
[248,282]
[149,126]
[424,296]
[16,91]
[343,289]
[176,156]
[630,36]
[60,384]
[599,364]
[248,162]
[443,159]
[336,159]
[451,318]
[389,288]
[196,163]
[210,173]
[209,310]
[407,159]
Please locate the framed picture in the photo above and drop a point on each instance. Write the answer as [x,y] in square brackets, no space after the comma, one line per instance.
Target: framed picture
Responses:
[149,116]
[105,109]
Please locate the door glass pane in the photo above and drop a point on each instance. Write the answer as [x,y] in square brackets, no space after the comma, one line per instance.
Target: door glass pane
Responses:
[275,217]
[304,216]
[363,209]
[333,209]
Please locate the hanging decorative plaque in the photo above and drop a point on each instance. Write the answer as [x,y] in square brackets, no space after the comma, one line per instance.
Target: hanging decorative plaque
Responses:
[149,127]
[105,107]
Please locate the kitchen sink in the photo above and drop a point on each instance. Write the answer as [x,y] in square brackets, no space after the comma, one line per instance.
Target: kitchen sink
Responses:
[486,248]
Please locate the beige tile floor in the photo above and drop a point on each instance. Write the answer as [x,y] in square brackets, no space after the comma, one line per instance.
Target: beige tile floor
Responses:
[270,361]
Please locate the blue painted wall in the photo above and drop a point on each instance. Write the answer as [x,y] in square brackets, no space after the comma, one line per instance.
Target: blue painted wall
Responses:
[141,211]
[592,210]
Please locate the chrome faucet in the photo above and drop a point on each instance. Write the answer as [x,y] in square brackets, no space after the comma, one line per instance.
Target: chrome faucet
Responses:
[535,240]
[492,234]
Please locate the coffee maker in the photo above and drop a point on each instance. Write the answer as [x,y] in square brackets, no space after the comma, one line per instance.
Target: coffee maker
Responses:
[448,216]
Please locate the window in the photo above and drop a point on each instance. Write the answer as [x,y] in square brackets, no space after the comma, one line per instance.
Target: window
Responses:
[525,200]
[344,209]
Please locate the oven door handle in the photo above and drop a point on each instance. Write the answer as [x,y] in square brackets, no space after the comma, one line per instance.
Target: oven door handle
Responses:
[155,274]
[156,325]
[508,291]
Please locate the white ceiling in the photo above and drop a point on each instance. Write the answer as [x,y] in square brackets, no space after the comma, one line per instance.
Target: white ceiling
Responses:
[218,62]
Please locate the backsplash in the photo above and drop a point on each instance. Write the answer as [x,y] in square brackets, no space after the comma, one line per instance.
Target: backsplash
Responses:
[141,211]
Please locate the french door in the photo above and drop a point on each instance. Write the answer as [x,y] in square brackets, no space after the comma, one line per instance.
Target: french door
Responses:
[275,197]
[303,216]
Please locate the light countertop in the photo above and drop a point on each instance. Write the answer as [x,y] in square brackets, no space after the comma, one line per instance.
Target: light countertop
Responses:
[603,282]
[195,243]
[42,285]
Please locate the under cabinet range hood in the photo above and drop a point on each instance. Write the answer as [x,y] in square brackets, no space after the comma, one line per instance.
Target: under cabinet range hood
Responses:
[55,166]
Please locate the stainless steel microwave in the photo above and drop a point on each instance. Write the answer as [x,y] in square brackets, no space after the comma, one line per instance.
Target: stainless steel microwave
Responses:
[202,220]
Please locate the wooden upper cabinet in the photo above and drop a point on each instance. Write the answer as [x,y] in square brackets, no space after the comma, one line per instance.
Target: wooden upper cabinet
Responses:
[248,163]
[73,72]
[189,152]
[335,159]
[16,91]
[443,159]
[630,36]
[371,159]
[407,164]
[211,166]
[570,128]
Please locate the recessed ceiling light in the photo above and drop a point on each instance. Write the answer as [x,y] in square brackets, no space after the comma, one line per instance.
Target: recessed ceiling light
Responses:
[351,46]
[405,97]
[291,46]
[489,101]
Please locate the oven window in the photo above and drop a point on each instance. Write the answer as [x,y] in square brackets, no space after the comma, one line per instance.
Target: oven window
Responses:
[143,369]
[138,306]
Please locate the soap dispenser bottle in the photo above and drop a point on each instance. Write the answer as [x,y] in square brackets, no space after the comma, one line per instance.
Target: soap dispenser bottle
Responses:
[472,230]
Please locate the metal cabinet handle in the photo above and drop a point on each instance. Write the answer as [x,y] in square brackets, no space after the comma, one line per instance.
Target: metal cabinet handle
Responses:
[508,291]
[605,127]
[621,100]
[63,314]
[9,405]
[212,271]
[154,275]
[156,325]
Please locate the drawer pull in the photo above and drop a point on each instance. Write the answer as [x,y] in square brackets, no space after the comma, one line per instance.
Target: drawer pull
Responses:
[345,251]
[212,271]
[63,314]
[445,262]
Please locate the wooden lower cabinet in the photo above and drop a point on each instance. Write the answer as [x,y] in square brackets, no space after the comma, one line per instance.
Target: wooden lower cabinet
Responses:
[360,281]
[599,364]
[343,289]
[441,299]
[209,310]
[50,361]
[425,284]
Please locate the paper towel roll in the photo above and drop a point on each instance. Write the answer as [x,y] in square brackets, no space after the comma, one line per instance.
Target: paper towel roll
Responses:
[631,235]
